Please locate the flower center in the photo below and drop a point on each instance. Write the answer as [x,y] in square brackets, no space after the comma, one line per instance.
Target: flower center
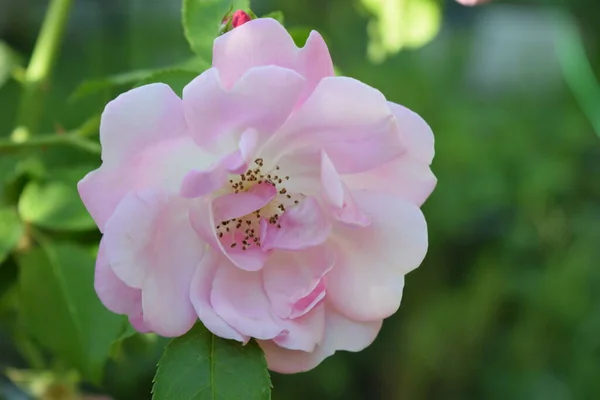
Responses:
[245,232]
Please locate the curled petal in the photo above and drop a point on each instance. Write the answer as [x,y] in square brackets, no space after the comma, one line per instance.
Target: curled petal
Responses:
[368,279]
[236,205]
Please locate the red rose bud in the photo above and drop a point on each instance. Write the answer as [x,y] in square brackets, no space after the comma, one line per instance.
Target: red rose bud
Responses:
[240,18]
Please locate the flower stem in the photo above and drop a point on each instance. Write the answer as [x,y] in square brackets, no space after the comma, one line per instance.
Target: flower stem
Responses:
[73,139]
[42,60]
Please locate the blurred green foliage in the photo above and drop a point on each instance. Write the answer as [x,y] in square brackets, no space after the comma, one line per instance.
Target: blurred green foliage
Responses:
[507,303]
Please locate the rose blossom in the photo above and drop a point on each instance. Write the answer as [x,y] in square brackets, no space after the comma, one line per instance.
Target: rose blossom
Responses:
[274,201]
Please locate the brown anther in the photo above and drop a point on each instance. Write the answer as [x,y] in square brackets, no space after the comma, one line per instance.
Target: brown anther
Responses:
[220,234]
[233,245]
[283,191]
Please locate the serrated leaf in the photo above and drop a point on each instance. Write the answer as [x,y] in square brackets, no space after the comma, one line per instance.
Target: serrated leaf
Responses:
[202,19]
[55,204]
[11,230]
[60,309]
[201,366]
[177,79]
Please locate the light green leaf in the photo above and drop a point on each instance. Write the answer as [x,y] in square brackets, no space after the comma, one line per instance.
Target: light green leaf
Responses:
[60,309]
[276,15]
[202,19]
[177,79]
[199,366]
[399,24]
[9,60]
[11,230]
[55,204]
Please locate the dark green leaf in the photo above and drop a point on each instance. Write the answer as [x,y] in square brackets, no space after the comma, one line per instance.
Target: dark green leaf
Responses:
[175,78]
[200,366]
[11,230]
[276,15]
[61,310]
[55,204]
[202,19]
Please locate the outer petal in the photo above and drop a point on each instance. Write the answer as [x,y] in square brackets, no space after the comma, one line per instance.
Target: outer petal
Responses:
[367,282]
[113,293]
[265,42]
[262,99]
[200,295]
[144,144]
[239,298]
[408,176]
[343,117]
[341,333]
[150,245]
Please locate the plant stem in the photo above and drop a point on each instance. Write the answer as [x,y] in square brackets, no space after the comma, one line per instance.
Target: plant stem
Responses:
[67,139]
[42,60]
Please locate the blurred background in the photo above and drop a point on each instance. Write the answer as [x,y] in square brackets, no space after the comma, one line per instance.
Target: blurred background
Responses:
[507,302]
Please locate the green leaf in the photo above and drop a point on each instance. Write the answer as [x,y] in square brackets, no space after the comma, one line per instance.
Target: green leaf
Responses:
[202,19]
[276,15]
[60,309]
[11,230]
[55,204]
[94,86]
[9,60]
[177,79]
[200,366]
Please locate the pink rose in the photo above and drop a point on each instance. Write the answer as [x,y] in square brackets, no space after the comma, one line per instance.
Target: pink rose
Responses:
[274,201]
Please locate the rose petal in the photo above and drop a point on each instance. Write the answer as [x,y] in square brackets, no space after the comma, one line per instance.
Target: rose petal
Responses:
[200,295]
[368,279]
[331,182]
[341,333]
[291,276]
[238,297]
[299,227]
[236,205]
[343,117]
[416,133]
[113,292]
[265,42]
[262,99]
[144,144]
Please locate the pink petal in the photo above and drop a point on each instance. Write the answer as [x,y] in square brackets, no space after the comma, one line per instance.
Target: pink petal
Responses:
[341,333]
[415,132]
[238,297]
[236,205]
[331,182]
[113,292]
[291,277]
[176,252]
[150,245]
[303,333]
[262,99]
[347,119]
[368,279]
[200,296]
[144,144]
[265,42]
[349,212]
[199,183]
[203,221]
[403,177]
[302,226]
